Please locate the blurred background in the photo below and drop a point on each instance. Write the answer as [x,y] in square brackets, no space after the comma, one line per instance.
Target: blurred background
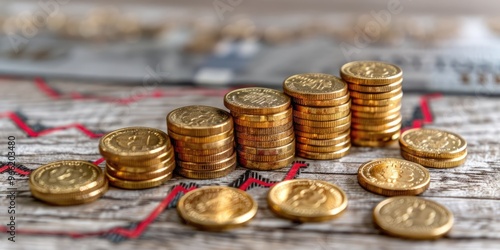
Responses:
[447,46]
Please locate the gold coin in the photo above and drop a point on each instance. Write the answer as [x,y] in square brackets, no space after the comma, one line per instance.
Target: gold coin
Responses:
[217,207]
[313,117]
[199,120]
[374,115]
[385,95]
[373,143]
[200,139]
[126,184]
[323,149]
[432,143]
[206,158]
[380,127]
[323,103]
[134,176]
[76,199]
[324,136]
[263,131]
[412,217]
[133,142]
[143,165]
[369,135]
[208,166]
[324,156]
[323,110]
[203,174]
[323,124]
[249,124]
[370,73]
[272,137]
[325,142]
[241,143]
[376,121]
[262,118]
[314,86]
[265,158]
[391,177]
[317,130]
[256,101]
[267,151]
[184,150]
[363,108]
[307,200]
[270,165]
[436,163]
[378,102]
[375,89]
[66,178]
[208,145]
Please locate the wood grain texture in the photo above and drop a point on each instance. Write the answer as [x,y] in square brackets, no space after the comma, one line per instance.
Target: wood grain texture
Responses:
[471,191]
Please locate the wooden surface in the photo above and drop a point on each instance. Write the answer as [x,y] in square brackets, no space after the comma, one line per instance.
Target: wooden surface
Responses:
[471,191]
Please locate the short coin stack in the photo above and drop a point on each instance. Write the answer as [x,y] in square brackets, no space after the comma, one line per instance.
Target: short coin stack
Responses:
[137,157]
[68,183]
[321,115]
[264,127]
[433,148]
[203,141]
[376,93]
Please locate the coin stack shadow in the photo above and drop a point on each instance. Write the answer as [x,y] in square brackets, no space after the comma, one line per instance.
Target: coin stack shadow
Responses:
[376,104]
[321,115]
[264,136]
[203,139]
[138,169]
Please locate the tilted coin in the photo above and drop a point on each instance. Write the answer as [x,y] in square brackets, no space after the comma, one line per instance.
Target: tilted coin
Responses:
[391,177]
[263,131]
[129,184]
[313,117]
[262,118]
[323,124]
[198,120]
[76,199]
[321,136]
[375,89]
[241,143]
[256,101]
[307,200]
[271,137]
[267,151]
[436,163]
[270,124]
[208,166]
[266,158]
[370,73]
[432,143]
[205,158]
[314,86]
[378,102]
[413,217]
[323,103]
[336,129]
[324,156]
[217,207]
[323,110]
[203,174]
[384,95]
[201,139]
[271,165]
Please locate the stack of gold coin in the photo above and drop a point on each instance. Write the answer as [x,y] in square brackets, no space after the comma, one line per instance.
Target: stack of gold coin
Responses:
[264,127]
[433,148]
[137,157]
[376,93]
[68,183]
[203,141]
[321,115]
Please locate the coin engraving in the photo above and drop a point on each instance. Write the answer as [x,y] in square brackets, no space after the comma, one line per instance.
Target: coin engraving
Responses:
[314,83]
[368,69]
[433,141]
[66,176]
[394,174]
[134,139]
[257,98]
[199,116]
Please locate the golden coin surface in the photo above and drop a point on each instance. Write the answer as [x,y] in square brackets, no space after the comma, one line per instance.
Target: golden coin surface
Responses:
[203,174]
[272,137]
[267,151]
[313,117]
[370,72]
[386,108]
[217,208]
[316,130]
[323,124]
[242,143]
[270,165]
[323,149]
[263,131]
[436,163]
[201,139]
[307,200]
[205,158]
[432,143]
[323,103]
[314,86]
[376,127]
[413,217]
[378,102]
[222,148]
[375,89]
[373,143]
[199,120]
[76,199]
[325,142]
[262,118]
[325,136]
[376,96]
[208,166]
[324,156]
[270,124]
[376,121]
[388,133]
[266,158]
[139,163]
[135,167]
[323,110]
[127,184]
[256,101]
[133,142]
[66,177]
[391,177]
[208,145]
[376,115]
[134,176]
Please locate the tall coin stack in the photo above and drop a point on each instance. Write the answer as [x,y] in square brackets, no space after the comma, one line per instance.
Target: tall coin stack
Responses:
[321,115]
[264,127]
[376,92]
[203,141]
[137,157]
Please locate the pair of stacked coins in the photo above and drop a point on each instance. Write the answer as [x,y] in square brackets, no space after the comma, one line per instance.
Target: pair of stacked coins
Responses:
[137,157]
[264,127]
[203,139]
[68,183]
[376,93]
[433,148]
[321,115]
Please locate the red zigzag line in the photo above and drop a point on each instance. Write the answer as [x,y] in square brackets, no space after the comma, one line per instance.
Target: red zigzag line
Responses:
[137,231]
[426,111]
